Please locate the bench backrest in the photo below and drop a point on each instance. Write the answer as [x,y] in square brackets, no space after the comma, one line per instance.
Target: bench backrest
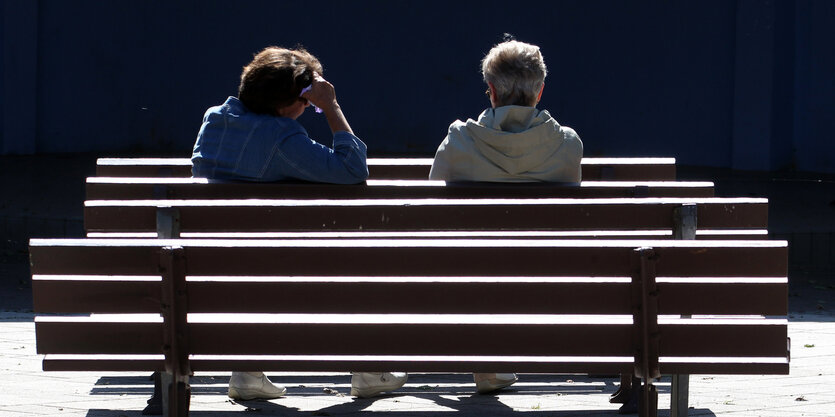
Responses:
[626,218]
[315,304]
[609,169]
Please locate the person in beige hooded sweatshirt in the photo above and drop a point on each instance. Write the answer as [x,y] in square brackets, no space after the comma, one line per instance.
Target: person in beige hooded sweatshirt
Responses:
[512,141]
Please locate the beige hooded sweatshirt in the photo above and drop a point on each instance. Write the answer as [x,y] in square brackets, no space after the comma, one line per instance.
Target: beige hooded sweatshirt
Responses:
[509,144]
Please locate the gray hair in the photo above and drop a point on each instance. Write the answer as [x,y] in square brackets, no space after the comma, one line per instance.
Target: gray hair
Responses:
[517,71]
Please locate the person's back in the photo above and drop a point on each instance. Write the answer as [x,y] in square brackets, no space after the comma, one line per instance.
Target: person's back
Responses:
[512,141]
[255,136]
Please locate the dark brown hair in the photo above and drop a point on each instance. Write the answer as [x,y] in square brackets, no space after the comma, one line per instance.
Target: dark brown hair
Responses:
[275,78]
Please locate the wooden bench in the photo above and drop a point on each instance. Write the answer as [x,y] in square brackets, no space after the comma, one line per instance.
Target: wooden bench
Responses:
[610,169]
[716,218]
[546,305]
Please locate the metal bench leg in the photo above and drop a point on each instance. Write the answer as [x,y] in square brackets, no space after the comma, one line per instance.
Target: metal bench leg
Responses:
[679,395]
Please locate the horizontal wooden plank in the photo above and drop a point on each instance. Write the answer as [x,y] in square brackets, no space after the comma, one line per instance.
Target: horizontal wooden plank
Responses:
[104,188]
[438,296]
[423,214]
[92,337]
[387,334]
[408,257]
[70,294]
[712,234]
[274,363]
[441,295]
[403,168]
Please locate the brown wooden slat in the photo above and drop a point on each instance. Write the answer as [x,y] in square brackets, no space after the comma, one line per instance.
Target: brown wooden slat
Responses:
[91,260]
[417,365]
[130,191]
[415,257]
[417,215]
[629,172]
[98,338]
[487,261]
[736,340]
[698,340]
[723,298]
[414,297]
[713,368]
[85,296]
[452,297]
[410,339]
[411,297]
[162,170]
[218,364]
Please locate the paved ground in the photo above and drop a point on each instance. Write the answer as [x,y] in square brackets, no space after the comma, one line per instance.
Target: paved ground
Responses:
[25,390]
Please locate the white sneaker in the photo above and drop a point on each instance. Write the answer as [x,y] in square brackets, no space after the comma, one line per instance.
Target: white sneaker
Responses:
[253,386]
[493,382]
[369,384]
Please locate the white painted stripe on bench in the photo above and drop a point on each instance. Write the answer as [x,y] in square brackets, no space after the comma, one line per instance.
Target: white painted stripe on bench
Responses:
[146,180]
[356,358]
[373,182]
[421,202]
[723,320]
[102,318]
[721,280]
[627,161]
[144,161]
[81,357]
[732,232]
[416,358]
[426,234]
[422,234]
[404,183]
[646,183]
[453,319]
[722,359]
[103,278]
[408,243]
[399,279]
[385,161]
[399,161]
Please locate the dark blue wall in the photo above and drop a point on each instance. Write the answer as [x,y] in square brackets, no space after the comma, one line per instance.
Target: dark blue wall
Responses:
[744,84]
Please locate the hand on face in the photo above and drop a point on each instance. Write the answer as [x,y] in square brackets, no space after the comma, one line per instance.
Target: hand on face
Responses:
[321,94]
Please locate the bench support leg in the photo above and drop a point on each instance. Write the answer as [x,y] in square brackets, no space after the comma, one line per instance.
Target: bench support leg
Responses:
[679,395]
[648,402]
[175,395]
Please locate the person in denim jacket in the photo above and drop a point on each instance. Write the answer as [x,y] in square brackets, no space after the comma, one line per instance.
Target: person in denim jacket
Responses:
[255,136]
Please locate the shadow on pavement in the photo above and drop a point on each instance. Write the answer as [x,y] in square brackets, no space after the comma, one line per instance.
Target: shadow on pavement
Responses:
[451,392]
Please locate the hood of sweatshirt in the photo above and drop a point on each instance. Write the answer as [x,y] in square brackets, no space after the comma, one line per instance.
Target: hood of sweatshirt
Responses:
[516,138]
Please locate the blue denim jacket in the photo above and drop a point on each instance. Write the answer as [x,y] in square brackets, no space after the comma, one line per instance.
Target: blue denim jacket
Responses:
[236,144]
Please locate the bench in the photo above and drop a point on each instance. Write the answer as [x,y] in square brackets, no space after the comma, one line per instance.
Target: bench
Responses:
[717,218]
[629,218]
[610,169]
[604,306]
